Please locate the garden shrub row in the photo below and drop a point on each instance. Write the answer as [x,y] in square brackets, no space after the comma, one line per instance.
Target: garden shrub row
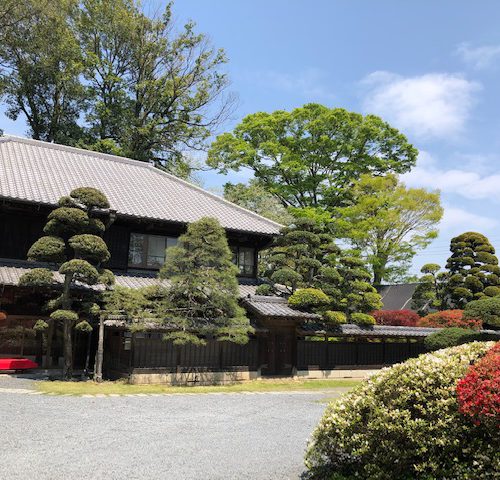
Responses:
[405,423]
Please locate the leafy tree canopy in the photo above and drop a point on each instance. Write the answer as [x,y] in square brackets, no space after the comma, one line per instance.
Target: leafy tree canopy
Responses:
[103,75]
[389,223]
[203,297]
[310,157]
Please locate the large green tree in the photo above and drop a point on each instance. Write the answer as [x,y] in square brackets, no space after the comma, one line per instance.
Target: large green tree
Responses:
[473,269]
[153,92]
[41,64]
[203,297]
[311,156]
[105,76]
[73,243]
[389,223]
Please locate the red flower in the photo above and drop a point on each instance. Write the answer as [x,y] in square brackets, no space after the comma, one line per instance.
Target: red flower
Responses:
[479,391]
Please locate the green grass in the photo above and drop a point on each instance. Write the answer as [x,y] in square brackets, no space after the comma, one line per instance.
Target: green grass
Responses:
[122,388]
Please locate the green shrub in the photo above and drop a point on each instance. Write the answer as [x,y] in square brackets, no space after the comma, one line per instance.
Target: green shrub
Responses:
[37,277]
[449,337]
[362,319]
[334,318]
[308,298]
[486,309]
[265,289]
[64,316]
[404,423]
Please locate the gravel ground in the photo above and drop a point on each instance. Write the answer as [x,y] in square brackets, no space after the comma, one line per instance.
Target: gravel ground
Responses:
[222,436]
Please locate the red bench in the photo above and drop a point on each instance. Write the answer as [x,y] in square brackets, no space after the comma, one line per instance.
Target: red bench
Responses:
[17,364]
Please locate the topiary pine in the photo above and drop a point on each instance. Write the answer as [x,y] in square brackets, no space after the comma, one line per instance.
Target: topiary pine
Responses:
[73,244]
[298,254]
[203,297]
[472,268]
[430,293]
[347,282]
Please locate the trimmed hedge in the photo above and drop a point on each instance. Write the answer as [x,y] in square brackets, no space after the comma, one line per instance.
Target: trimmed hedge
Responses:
[404,423]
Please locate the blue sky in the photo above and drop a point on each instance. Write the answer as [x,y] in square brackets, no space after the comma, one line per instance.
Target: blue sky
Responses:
[432,69]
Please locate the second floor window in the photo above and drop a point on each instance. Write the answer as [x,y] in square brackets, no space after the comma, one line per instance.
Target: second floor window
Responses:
[244,258]
[148,251]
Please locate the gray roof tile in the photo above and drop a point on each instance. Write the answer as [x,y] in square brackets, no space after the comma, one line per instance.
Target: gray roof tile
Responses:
[11,271]
[274,307]
[42,172]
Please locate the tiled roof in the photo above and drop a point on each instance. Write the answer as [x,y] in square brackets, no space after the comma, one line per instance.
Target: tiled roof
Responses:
[350,329]
[397,297]
[11,271]
[42,172]
[274,307]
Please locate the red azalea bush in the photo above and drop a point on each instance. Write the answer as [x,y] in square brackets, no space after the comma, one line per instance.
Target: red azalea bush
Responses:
[401,318]
[479,391]
[449,318]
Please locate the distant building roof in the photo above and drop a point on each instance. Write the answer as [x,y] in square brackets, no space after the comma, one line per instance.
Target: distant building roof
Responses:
[41,172]
[397,297]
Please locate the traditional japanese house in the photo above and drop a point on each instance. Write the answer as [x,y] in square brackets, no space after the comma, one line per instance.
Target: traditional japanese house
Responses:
[151,208]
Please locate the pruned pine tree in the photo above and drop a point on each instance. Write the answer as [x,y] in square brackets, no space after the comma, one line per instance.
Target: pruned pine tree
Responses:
[346,280]
[473,269]
[298,254]
[74,245]
[430,292]
[203,298]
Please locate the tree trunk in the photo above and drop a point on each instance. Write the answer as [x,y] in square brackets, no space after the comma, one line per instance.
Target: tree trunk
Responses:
[67,328]
[48,352]
[68,351]
[100,352]
[87,356]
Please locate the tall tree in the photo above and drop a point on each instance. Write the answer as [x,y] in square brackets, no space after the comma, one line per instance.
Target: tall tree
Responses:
[203,298]
[311,156]
[154,93]
[73,242]
[256,198]
[389,223]
[41,63]
[472,268]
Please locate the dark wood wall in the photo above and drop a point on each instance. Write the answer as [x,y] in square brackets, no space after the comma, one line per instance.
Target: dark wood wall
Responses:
[21,225]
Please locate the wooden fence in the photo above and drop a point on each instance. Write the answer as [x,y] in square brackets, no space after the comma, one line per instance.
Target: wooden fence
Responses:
[325,355]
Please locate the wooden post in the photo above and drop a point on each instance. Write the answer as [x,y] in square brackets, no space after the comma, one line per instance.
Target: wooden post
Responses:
[326,353]
[100,352]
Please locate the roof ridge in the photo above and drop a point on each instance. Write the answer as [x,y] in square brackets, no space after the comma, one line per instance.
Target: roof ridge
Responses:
[138,163]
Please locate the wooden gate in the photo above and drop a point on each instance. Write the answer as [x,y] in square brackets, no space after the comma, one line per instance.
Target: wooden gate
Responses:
[280,352]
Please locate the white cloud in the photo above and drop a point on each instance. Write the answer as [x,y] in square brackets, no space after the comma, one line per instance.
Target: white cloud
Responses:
[309,83]
[430,105]
[478,57]
[466,183]
[457,220]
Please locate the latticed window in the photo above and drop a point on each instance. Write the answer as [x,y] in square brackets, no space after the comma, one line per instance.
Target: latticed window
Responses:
[244,258]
